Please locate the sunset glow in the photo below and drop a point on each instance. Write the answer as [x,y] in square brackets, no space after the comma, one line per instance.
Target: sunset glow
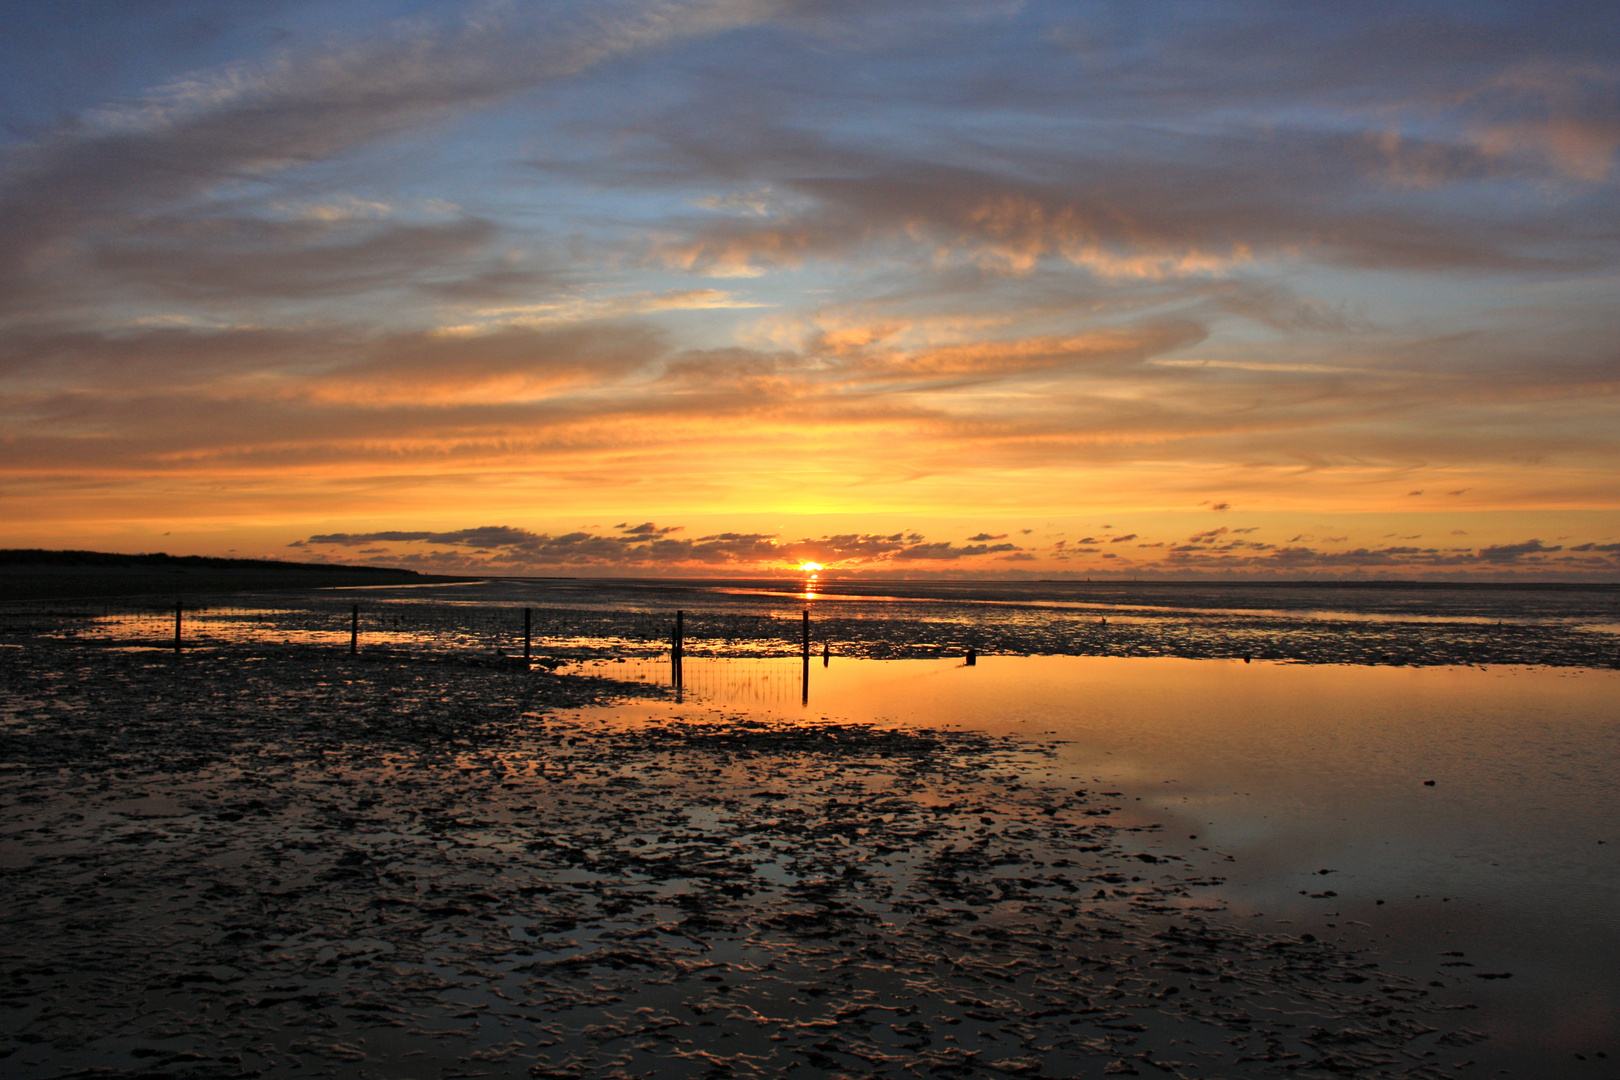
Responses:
[715,288]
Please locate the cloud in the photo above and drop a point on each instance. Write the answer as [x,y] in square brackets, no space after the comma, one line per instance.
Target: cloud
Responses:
[203,132]
[1229,204]
[237,258]
[650,545]
[290,371]
[949,552]
[1508,553]
[637,546]
[1123,345]
[1204,208]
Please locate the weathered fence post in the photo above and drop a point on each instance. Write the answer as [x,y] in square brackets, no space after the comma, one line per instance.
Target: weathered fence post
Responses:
[678,647]
[528,637]
[804,678]
[177,626]
[354,630]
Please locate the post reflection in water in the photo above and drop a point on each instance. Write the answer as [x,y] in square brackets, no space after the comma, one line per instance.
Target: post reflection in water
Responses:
[804,679]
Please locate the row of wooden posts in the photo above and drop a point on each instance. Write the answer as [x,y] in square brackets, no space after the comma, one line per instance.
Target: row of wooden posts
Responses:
[677,652]
[677,644]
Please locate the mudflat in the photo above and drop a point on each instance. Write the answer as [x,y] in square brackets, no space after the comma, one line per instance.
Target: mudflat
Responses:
[276,861]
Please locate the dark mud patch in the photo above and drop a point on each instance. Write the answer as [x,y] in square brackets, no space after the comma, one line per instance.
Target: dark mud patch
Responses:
[250,864]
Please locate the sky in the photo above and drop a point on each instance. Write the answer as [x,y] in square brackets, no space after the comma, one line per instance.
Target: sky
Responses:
[902,287]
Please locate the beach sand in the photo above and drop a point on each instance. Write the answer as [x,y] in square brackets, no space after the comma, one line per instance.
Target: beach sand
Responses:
[284,862]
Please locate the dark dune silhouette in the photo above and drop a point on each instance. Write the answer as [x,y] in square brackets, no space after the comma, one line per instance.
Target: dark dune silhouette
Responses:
[38,574]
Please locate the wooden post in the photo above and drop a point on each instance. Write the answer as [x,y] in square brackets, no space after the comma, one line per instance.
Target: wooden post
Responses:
[804,678]
[354,630]
[972,657]
[678,647]
[826,651]
[528,637]
[177,626]
[807,633]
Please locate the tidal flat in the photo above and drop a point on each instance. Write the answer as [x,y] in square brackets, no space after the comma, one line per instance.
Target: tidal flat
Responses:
[281,860]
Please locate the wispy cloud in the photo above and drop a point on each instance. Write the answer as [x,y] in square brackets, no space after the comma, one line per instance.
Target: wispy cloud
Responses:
[201,134]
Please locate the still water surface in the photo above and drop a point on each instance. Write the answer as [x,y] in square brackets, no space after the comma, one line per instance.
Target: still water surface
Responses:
[1508,863]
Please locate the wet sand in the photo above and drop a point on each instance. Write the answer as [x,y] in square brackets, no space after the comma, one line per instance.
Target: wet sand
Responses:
[277,861]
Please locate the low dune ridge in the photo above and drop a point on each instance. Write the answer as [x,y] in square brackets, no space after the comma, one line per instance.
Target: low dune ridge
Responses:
[36,574]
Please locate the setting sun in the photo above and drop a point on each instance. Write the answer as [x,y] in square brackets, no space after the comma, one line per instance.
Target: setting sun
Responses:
[811,567]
